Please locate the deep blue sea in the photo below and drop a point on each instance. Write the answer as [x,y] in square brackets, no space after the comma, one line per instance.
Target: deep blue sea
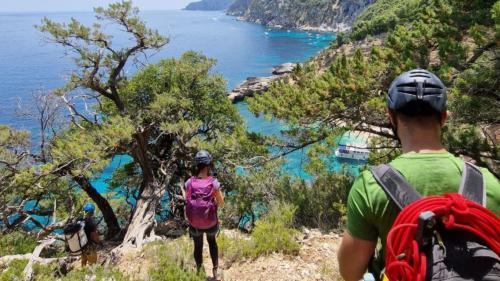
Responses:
[242,49]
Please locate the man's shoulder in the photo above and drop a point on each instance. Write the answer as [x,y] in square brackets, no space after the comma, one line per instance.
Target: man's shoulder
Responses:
[412,157]
[365,183]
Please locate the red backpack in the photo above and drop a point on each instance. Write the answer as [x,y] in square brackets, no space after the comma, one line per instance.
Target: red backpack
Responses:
[448,237]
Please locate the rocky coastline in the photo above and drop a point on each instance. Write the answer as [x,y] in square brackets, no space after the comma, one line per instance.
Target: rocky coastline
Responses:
[209,5]
[325,16]
[257,85]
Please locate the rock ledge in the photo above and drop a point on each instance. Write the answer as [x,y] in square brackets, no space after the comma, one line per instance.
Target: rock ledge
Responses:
[257,85]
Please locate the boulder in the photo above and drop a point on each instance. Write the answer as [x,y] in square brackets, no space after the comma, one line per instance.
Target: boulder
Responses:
[251,86]
[284,68]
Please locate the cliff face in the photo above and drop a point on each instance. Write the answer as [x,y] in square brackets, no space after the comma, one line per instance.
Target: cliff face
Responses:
[328,15]
[210,5]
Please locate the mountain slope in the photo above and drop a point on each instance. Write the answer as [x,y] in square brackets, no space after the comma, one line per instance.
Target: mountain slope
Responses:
[210,5]
[330,15]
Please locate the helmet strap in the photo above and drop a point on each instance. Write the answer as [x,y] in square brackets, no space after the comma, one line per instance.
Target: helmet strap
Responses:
[395,132]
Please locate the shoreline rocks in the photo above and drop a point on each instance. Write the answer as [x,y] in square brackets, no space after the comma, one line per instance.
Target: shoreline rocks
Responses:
[257,85]
[209,5]
[326,16]
[285,68]
[340,27]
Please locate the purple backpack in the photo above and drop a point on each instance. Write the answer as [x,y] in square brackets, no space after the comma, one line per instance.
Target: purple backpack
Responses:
[201,208]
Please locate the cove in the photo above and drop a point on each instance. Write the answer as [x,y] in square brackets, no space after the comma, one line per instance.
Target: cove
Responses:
[241,49]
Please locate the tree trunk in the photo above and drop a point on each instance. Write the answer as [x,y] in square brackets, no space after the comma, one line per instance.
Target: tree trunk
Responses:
[103,205]
[28,270]
[143,219]
[150,193]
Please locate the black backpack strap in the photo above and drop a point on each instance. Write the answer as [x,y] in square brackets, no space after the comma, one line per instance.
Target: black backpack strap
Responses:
[395,185]
[473,185]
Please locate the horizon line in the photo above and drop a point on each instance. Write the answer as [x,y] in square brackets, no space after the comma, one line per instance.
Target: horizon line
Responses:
[91,11]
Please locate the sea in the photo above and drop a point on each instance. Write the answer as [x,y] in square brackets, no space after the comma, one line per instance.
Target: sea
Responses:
[29,64]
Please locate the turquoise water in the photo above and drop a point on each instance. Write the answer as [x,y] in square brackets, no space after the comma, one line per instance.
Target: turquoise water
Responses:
[28,64]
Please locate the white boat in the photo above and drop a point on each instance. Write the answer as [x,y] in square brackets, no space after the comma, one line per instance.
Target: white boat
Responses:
[351,151]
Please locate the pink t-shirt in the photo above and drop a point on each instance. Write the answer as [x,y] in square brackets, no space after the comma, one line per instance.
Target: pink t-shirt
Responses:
[215,183]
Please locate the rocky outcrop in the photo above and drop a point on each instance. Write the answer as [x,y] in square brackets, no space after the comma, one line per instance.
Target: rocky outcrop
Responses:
[324,15]
[257,85]
[209,5]
[284,68]
[251,86]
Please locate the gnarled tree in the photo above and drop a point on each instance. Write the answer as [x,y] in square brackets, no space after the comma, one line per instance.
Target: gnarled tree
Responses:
[159,116]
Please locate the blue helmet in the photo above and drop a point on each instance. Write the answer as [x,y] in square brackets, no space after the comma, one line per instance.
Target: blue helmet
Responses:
[89,208]
[414,86]
[203,158]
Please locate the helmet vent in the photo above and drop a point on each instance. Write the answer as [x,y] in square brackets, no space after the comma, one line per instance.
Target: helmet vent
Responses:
[419,72]
[407,85]
[419,76]
[412,89]
[432,86]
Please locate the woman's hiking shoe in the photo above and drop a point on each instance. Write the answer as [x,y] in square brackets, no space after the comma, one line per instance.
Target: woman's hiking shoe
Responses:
[216,274]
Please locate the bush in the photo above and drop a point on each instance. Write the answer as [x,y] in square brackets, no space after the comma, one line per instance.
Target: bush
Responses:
[95,273]
[16,243]
[173,261]
[251,193]
[321,204]
[272,234]
[14,272]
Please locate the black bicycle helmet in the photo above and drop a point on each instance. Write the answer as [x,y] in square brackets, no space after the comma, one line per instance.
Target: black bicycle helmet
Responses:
[418,85]
[203,158]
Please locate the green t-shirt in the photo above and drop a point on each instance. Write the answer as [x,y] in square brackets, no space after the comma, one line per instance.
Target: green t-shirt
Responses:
[370,214]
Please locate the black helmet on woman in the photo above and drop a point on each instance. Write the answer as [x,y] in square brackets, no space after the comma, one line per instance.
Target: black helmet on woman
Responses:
[417,86]
[203,157]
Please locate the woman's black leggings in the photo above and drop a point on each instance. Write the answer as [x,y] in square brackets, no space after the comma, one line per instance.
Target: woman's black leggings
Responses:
[212,246]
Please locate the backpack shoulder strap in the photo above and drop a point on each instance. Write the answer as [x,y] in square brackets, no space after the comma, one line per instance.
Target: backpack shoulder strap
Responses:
[473,184]
[189,185]
[395,185]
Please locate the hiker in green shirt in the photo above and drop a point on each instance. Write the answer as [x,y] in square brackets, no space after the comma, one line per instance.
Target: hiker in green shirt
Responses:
[417,111]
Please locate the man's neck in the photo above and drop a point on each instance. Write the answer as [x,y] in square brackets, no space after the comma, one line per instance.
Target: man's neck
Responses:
[423,149]
[420,142]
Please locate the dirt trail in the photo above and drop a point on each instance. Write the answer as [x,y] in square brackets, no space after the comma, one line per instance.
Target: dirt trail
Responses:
[317,260]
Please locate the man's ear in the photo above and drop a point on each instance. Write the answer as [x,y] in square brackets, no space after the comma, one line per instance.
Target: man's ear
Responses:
[444,118]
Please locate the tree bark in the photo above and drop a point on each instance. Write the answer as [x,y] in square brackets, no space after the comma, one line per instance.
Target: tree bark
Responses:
[28,270]
[143,218]
[103,205]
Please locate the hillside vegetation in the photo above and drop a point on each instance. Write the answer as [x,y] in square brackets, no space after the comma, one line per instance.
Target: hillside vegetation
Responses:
[345,89]
[382,16]
[210,5]
[298,14]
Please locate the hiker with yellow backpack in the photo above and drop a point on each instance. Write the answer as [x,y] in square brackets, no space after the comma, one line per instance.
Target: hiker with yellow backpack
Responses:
[437,217]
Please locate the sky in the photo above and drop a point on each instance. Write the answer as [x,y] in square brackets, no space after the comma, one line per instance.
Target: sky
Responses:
[83,5]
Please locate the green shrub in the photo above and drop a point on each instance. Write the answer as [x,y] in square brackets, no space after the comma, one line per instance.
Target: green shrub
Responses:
[272,234]
[321,204]
[173,261]
[16,243]
[14,272]
[95,273]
